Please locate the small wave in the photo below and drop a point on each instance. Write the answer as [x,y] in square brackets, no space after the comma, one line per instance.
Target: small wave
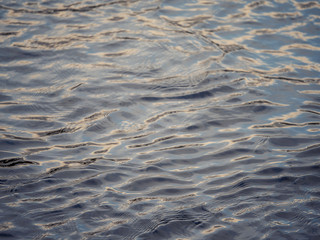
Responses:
[130,119]
[11,162]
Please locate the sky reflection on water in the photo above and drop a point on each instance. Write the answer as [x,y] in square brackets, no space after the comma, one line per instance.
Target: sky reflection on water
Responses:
[159,119]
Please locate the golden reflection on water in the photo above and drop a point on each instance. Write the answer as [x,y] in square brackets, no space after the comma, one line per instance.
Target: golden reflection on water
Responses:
[213,229]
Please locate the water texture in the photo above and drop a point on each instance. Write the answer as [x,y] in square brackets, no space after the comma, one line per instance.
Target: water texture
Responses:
[133,119]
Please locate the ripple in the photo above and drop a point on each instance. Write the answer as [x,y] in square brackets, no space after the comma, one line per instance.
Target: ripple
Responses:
[14,162]
[159,120]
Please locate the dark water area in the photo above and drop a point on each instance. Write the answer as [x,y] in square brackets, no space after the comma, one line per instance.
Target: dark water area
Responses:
[146,120]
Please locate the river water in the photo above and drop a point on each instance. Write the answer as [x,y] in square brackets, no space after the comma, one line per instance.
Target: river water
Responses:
[160,119]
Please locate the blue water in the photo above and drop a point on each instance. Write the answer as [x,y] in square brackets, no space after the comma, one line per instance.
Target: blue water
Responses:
[158,119]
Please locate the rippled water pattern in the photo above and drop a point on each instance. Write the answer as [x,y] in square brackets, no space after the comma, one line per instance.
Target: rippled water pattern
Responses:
[132,119]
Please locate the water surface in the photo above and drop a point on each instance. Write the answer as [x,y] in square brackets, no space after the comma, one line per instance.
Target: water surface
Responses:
[159,119]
